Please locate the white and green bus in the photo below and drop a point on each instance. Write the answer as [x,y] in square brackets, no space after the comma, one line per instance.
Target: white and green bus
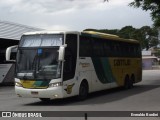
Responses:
[52,65]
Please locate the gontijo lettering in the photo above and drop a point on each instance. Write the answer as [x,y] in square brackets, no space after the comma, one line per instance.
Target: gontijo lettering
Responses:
[122,62]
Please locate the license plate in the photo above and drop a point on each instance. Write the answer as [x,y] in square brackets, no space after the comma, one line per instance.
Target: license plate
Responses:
[34,93]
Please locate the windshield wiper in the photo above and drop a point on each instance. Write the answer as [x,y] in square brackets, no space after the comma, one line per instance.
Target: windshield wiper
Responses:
[34,65]
[34,62]
[25,76]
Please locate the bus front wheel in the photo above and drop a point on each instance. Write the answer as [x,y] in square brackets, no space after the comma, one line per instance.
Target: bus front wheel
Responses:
[83,91]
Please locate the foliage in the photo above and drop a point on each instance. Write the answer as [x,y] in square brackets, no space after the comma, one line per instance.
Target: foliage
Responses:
[152,5]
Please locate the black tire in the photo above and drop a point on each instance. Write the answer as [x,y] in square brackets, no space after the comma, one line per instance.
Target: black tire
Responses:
[45,99]
[83,91]
[132,80]
[127,82]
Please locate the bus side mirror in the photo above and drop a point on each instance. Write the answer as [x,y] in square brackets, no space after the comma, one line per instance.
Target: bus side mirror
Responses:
[61,52]
[9,52]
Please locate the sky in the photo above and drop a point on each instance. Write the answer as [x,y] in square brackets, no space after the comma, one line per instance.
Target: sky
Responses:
[74,14]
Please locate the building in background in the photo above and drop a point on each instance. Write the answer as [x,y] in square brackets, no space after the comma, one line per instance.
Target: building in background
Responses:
[10,34]
[148,60]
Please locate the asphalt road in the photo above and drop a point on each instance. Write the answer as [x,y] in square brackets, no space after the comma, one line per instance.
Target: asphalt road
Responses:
[145,96]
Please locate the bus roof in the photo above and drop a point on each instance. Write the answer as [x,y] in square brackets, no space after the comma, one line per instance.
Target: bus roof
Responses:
[107,36]
[51,32]
[86,33]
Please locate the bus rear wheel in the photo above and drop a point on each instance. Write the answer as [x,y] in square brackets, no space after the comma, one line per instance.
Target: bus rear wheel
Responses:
[128,83]
[132,80]
[83,91]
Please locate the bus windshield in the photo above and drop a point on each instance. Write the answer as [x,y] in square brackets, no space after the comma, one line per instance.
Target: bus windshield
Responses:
[37,57]
[43,40]
[40,64]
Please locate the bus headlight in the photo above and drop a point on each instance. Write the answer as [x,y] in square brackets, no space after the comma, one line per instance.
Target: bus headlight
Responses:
[18,84]
[55,84]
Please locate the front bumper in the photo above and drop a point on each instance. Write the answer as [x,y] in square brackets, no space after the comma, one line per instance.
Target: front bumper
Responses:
[52,93]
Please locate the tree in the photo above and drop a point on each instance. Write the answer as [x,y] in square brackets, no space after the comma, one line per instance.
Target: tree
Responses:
[152,5]
[150,36]
[147,36]
[127,32]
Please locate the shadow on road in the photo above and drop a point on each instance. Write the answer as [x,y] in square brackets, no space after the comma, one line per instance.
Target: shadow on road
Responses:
[100,97]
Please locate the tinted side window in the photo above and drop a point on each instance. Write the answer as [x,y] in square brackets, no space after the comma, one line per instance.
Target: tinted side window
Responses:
[98,49]
[70,57]
[85,49]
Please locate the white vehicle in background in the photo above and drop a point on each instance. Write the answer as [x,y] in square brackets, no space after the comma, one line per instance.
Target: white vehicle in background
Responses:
[7,68]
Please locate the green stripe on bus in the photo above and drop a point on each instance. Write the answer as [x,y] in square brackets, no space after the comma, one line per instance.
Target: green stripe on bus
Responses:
[107,70]
[41,83]
[103,70]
